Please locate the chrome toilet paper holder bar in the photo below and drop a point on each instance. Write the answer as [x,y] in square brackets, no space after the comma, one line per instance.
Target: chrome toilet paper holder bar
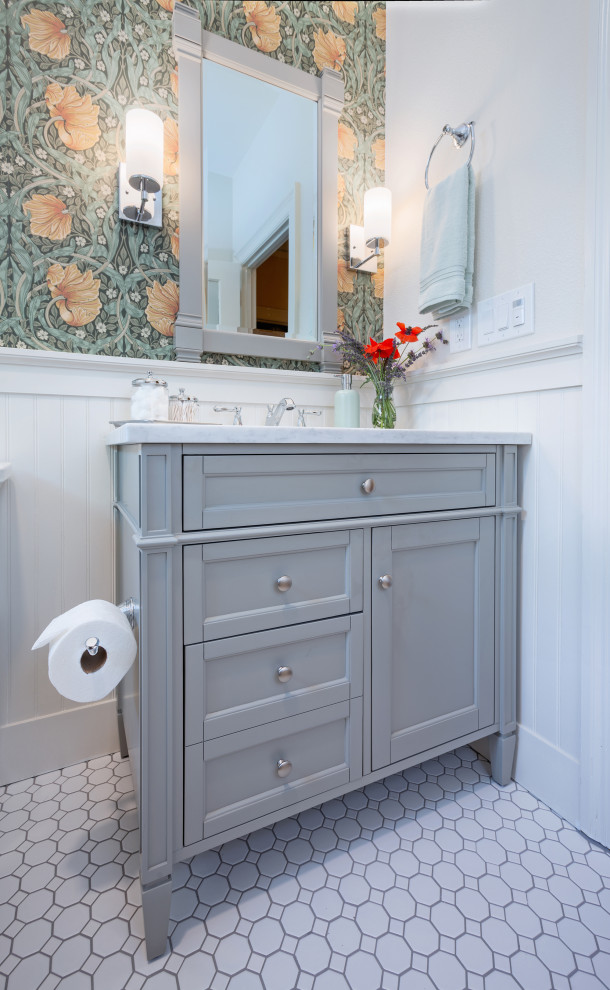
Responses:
[128,608]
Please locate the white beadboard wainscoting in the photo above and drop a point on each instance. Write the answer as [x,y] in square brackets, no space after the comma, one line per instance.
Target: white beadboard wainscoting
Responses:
[56,542]
[540,392]
[56,546]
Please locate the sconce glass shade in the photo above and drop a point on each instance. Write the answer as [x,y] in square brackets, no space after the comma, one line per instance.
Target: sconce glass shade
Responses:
[144,150]
[378,216]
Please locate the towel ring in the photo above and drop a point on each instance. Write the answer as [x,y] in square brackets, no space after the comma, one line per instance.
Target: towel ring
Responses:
[460,135]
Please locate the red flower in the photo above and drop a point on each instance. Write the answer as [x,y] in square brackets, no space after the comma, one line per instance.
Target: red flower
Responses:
[409,334]
[387,349]
[372,349]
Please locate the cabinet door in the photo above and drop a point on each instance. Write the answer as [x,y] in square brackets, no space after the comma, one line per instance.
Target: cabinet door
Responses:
[433,635]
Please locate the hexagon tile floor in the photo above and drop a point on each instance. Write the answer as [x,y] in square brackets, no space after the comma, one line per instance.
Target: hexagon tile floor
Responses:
[435,879]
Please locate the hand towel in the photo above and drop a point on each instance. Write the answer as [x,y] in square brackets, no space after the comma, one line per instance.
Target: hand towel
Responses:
[447,246]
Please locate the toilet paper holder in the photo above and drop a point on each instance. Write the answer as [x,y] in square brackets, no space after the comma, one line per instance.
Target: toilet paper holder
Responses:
[128,608]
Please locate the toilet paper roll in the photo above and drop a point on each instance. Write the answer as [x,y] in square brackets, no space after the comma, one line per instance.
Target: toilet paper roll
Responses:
[73,671]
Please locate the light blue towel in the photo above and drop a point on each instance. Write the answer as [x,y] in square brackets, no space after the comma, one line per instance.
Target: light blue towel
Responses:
[447,246]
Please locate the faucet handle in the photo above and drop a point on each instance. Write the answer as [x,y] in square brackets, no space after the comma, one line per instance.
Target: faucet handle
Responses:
[302,413]
[234,409]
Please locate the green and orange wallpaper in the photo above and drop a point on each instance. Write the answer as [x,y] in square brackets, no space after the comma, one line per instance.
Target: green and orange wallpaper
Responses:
[73,277]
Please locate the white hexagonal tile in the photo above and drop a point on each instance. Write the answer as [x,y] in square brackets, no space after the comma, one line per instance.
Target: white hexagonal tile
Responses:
[399,904]
[530,972]
[266,936]
[31,938]
[232,954]
[29,972]
[372,920]
[70,955]
[354,889]
[446,971]
[393,953]
[313,954]
[362,971]
[447,920]
[297,919]
[71,921]
[279,972]
[422,936]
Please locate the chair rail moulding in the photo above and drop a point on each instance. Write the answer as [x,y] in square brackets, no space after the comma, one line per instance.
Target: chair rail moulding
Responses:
[192,44]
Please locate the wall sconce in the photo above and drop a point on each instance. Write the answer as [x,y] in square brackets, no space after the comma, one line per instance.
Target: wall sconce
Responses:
[141,175]
[366,241]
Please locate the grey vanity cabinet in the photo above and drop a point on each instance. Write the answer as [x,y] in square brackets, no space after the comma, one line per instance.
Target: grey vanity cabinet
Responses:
[309,621]
[432,634]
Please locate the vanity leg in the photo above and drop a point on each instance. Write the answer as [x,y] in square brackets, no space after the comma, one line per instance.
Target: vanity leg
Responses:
[123,750]
[502,756]
[156,899]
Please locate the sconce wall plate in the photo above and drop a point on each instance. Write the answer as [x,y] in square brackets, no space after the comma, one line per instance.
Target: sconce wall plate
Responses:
[358,250]
[130,197]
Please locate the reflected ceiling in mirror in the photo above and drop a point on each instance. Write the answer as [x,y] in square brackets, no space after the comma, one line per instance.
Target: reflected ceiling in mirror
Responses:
[260,206]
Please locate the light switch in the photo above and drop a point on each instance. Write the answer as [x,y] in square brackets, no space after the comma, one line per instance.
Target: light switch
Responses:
[501,315]
[518,311]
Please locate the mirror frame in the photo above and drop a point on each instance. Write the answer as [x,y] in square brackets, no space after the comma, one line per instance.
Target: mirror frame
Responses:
[191,45]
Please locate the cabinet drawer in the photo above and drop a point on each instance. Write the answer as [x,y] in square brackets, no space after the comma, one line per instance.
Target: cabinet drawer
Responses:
[234,588]
[239,781]
[244,681]
[258,489]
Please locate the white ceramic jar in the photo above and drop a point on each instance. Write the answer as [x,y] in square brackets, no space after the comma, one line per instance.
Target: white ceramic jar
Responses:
[150,401]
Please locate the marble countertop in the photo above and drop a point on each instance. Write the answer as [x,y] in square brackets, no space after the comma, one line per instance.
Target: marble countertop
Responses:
[5,470]
[146,432]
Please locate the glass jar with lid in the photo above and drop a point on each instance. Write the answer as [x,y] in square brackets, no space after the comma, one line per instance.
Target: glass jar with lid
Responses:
[150,400]
[177,404]
[183,408]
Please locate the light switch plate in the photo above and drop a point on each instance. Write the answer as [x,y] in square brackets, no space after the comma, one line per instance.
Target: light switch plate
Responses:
[506,316]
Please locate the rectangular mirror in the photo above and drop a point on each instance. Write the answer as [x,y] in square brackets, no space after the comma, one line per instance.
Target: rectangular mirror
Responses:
[259,207]
[258,201]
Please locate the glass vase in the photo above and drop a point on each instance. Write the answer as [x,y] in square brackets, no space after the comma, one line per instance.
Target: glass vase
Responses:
[384,410]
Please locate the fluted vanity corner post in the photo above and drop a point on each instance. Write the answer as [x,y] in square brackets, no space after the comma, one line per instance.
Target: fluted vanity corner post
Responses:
[329,111]
[187,39]
[502,744]
[150,569]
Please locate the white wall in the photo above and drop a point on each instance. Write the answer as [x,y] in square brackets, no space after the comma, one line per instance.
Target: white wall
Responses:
[56,538]
[518,70]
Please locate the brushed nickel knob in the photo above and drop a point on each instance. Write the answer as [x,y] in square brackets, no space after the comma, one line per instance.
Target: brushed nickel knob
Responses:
[283,674]
[284,583]
[368,486]
[283,768]
[385,581]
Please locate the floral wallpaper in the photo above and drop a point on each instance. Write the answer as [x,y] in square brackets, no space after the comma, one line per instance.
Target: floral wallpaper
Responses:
[73,277]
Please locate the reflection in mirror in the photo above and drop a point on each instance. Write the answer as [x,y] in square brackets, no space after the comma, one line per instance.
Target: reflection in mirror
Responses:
[260,206]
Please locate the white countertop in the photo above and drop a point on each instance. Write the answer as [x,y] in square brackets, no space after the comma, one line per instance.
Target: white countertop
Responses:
[137,433]
[5,470]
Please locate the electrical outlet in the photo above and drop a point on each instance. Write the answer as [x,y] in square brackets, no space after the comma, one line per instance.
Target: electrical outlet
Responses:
[460,333]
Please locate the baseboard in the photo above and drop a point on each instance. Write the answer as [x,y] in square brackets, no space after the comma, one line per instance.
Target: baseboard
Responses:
[549,773]
[39,745]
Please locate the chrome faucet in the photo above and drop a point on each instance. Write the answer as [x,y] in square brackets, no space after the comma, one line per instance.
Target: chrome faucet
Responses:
[275,413]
